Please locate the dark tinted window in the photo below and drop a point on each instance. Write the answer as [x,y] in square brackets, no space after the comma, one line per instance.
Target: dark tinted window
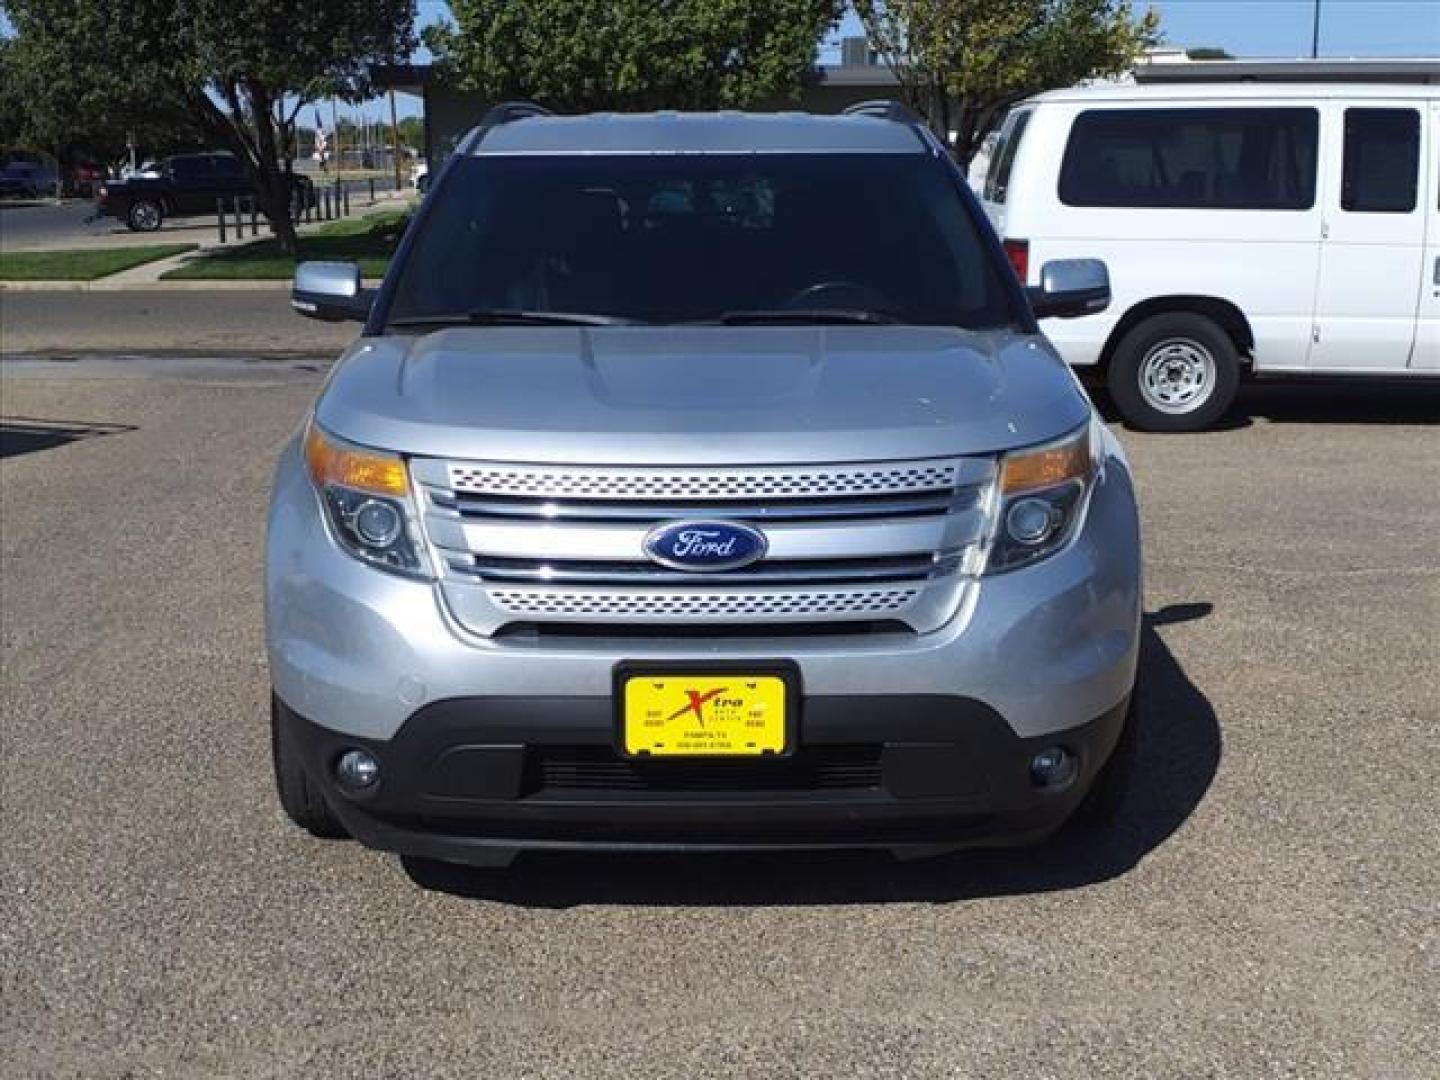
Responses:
[1221,159]
[226,165]
[190,167]
[1382,161]
[997,180]
[678,238]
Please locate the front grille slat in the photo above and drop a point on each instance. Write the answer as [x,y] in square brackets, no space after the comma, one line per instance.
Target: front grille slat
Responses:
[787,572]
[549,510]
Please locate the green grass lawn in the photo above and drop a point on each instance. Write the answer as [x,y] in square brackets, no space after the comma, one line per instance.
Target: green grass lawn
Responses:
[81,265]
[367,240]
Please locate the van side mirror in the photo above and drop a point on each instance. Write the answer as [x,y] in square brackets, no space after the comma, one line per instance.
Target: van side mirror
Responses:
[1070,288]
[330,291]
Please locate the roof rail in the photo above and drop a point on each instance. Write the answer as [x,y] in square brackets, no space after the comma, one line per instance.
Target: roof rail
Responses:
[512,110]
[885,109]
[496,115]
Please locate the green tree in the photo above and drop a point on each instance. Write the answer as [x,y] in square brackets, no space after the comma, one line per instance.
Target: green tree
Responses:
[581,55]
[238,70]
[963,63]
[68,119]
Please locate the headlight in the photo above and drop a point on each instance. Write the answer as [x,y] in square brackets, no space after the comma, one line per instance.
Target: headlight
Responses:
[366,495]
[1041,494]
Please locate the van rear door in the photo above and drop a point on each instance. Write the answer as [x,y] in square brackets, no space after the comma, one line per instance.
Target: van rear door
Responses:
[1372,236]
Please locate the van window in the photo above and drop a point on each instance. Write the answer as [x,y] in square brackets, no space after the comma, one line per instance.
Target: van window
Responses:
[997,180]
[1382,161]
[1214,159]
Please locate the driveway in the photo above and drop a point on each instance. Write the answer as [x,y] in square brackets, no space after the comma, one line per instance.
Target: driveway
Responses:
[1270,907]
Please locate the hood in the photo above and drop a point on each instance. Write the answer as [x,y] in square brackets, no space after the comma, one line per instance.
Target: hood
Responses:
[701,395]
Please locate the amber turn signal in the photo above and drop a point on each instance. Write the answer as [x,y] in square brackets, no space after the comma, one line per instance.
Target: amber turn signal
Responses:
[1048,465]
[333,462]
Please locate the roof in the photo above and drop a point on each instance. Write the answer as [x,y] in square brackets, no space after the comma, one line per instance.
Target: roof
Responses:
[1238,91]
[1414,70]
[700,133]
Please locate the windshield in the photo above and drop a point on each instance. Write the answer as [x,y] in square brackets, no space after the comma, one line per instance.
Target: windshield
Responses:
[672,238]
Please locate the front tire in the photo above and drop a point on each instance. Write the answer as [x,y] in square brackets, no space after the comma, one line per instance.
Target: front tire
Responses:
[299,798]
[1174,372]
[144,215]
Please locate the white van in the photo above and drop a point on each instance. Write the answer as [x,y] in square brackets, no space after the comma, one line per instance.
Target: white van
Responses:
[1250,230]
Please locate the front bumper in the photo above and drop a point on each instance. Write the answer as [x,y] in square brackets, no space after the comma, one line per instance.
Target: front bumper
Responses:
[477,780]
[1034,657]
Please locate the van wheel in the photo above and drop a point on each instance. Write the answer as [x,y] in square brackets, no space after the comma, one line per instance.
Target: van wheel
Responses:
[145,215]
[299,798]
[1174,372]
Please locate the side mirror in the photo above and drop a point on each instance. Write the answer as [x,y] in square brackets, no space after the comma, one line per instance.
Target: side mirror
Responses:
[1070,288]
[330,291]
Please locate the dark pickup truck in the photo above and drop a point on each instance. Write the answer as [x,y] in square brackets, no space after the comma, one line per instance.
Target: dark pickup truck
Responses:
[187,184]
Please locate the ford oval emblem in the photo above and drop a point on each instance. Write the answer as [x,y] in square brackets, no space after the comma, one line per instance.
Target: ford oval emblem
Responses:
[701,546]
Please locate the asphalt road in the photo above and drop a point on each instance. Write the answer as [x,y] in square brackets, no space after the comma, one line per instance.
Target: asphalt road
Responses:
[1271,907]
[259,320]
[47,225]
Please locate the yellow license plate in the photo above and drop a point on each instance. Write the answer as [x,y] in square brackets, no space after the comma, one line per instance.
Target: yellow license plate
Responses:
[702,715]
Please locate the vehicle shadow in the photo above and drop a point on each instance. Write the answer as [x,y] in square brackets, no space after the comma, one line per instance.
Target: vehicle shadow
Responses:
[1179,752]
[1320,401]
[27,435]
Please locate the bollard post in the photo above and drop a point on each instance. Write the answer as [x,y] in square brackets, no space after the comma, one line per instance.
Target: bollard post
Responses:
[239,225]
[372,191]
[345,194]
[254,218]
[220,217]
[325,210]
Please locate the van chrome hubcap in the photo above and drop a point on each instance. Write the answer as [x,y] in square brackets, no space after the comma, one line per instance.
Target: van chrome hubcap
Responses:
[1177,376]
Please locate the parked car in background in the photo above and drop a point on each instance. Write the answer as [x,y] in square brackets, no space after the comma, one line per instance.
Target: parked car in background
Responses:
[1250,230]
[420,176]
[27,179]
[84,181]
[701,482]
[184,184]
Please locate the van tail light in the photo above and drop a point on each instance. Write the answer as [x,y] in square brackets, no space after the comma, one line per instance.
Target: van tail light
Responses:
[1018,251]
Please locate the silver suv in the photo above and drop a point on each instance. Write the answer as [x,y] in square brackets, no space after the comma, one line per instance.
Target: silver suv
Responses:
[700,482]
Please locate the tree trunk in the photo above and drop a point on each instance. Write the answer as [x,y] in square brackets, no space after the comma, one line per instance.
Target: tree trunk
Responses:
[249,130]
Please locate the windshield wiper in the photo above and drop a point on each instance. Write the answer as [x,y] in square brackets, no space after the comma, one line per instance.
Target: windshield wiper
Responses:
[805,316]
[511,317]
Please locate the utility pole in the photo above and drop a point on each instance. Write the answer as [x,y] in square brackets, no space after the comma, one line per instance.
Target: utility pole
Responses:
[394,140]
[1315,36]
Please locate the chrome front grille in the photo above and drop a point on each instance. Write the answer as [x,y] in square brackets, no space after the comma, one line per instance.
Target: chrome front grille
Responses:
[849,542]
[649,484]
[691,604]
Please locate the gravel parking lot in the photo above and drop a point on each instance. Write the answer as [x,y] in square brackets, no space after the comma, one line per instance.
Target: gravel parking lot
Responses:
[1271,908]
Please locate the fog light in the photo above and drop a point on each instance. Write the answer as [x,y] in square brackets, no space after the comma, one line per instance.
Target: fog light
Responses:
[357,770]
[1030,521]
[377,523]
[1054,767]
